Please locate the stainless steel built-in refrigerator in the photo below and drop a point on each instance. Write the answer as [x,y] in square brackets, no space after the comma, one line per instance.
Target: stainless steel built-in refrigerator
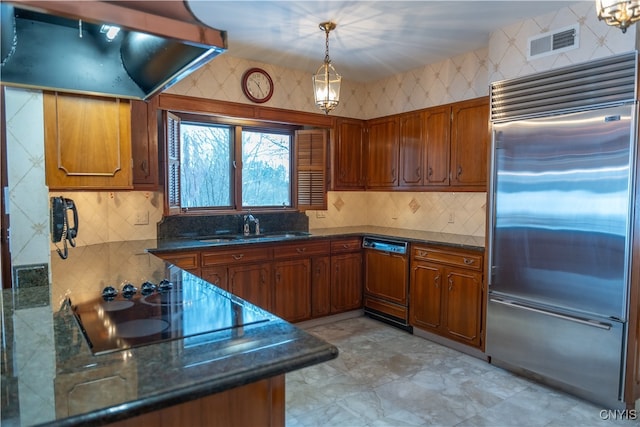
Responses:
[563,154]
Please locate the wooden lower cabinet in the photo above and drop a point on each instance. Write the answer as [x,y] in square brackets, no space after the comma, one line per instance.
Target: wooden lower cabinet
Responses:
[296,281]
[189,261]
[446,293]
[426,295]
[292,288]
[261,403]
[252,282]
[217,275]
[320,286]
[346,282]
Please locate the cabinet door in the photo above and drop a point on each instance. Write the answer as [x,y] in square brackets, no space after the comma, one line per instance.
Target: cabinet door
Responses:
[346,282]
[144,144]
[189,261]
[87,142]
[425,310]
[292,289]
[320,286]
[349,155]
[383,153]
[437,122]
[469,143]
[464,305]
[217,276]
[386,276]
[412,149]
[252,282]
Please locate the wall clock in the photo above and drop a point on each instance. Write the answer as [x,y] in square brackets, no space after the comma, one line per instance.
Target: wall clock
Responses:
[257,85]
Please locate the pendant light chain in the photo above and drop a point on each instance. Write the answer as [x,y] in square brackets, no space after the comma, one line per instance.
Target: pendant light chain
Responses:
[326,52]
[326,81]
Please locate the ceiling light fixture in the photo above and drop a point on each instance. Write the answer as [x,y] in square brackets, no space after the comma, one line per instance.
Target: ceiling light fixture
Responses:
[618,13]
[326,81]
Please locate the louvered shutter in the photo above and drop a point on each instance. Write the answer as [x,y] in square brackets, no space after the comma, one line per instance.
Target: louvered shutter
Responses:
[311,172]
[172,190]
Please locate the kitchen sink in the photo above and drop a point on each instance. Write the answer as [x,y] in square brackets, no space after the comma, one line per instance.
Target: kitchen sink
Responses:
[274,236]
[266,236]
[219,239]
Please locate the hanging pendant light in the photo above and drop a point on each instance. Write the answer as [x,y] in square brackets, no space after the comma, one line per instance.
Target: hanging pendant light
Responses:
[326,81]
[618,13]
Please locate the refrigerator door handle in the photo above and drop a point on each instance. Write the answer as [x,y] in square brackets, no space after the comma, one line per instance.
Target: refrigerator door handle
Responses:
[593,323]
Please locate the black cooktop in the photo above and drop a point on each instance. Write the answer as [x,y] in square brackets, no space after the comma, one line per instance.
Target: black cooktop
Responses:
[131,317]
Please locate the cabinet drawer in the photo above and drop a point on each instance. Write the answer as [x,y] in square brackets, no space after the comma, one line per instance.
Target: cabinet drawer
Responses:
[239,254]
[461,259]
[346,245]
[300,249]
[185,260]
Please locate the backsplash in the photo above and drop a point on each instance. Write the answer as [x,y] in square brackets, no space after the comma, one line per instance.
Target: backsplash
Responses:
[112,216]
[457,213]
[210,225]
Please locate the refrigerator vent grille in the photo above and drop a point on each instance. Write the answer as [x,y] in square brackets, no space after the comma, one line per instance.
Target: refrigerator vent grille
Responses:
[605,81]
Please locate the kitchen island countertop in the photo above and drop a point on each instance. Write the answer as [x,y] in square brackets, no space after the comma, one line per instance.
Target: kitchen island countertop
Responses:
[50,375]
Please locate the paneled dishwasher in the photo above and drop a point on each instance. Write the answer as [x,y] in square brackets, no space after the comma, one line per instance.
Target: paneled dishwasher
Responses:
[386,289]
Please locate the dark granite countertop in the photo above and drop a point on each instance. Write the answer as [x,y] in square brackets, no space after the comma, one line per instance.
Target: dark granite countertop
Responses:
[473,243]
[74,387]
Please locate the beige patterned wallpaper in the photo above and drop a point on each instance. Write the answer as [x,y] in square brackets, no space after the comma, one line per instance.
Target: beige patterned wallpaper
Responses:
[106,218]
[508,45]
[28,197]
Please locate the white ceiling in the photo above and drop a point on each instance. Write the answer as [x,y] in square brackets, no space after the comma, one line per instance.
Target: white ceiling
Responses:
[373,39]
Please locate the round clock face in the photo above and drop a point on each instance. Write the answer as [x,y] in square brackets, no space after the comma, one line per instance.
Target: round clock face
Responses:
[257,85]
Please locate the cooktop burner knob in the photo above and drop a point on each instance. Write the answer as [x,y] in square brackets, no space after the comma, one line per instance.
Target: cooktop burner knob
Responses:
[147,288]
[109,293]
[129,290]
[164,285]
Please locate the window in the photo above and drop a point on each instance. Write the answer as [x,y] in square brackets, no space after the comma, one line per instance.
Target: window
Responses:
[266,169]
[218,165]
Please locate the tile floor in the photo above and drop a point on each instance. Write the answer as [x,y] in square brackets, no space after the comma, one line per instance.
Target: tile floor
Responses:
[387,377]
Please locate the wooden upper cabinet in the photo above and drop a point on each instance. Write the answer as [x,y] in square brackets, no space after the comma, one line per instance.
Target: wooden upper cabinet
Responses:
[437,123]
[348,155]
[87,142]
[469,143]
[144,144]
[412,149]
[383,153]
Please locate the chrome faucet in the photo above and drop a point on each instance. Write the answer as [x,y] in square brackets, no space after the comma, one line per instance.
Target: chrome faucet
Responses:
[248,219]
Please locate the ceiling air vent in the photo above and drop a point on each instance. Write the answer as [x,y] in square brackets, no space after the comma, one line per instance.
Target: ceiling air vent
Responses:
[553,42]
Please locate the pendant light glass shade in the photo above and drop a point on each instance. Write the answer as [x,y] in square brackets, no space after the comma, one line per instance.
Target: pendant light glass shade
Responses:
[618,13]
[326,81]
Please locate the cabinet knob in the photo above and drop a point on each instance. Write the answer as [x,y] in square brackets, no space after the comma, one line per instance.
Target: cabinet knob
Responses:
[419,172]
[301,250]
[468,261]
[459,170]
[238,256]
[430,172]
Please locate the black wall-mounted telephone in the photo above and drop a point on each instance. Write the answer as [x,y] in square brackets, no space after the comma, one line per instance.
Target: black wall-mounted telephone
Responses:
[61,230]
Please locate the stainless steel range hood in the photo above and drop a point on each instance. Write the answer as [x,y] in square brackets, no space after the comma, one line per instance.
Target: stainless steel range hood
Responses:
[58,45]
